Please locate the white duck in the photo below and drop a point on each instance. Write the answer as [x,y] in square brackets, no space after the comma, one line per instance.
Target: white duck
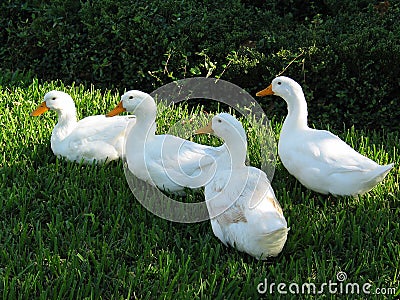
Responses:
[241,202]
[320,160]
[166,161]
[92,139]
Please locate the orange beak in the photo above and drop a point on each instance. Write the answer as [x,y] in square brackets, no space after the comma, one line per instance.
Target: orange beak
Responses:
[42,108]
[205,129]
[265,92]
[116,111]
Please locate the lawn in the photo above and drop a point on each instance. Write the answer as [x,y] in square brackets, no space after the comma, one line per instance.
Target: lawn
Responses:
[71,231]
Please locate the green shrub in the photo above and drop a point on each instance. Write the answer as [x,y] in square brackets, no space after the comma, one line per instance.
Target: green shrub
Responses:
[344,53]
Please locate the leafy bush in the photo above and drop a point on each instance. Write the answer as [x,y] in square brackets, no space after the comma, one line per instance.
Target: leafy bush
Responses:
[344,53]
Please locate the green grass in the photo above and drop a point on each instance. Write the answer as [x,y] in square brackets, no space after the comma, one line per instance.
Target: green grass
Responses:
[70,231]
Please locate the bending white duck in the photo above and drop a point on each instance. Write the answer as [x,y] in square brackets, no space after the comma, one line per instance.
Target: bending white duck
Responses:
[166,161]
[92,139]
[241,202]
[320,160]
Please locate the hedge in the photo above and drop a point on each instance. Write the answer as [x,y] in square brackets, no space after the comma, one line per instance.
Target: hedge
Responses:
[344,53]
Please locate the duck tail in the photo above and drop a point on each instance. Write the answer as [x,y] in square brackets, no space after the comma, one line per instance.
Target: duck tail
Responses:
[273,242]
[378,175]
[382,171]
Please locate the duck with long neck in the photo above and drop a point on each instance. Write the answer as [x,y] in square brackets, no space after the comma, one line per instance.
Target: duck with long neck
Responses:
[235,141]
[317,158]
[139,137]
[166,161]
[242,206]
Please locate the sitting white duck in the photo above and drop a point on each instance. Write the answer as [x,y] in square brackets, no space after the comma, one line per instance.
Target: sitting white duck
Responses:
[242,206]
[166,161]
[320,160]
[92,139]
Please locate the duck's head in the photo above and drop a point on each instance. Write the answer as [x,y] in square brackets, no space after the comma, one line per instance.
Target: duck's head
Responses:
[226,127]
[136,102]
[55,100]
[282,86]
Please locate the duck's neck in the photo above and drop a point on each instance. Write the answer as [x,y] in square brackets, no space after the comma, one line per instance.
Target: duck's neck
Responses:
[296,118]
[66,123]
[144,129]
[237,148]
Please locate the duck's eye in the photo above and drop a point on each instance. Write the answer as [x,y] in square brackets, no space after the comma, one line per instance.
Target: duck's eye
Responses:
[54,98]
[279,83]
[219,121]
[130,97]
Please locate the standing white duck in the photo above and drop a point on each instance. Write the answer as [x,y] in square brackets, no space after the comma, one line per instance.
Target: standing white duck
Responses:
[320,160]
[166,161]
[92,139]
[241,202]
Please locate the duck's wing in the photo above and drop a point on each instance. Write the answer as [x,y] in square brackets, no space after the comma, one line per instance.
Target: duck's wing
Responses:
[98,137]
[95,128]
[234,192]
[184,162]
[195,157]
[259,192]
[324,149]
[241,205]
